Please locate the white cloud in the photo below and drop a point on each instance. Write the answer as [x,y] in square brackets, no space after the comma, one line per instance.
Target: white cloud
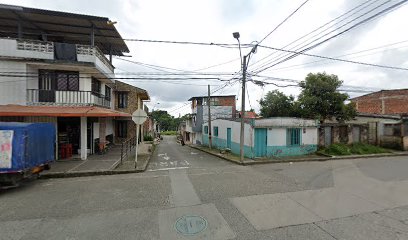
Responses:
[214,21]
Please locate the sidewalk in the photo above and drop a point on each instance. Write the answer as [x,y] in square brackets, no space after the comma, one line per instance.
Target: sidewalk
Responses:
[304,158]
[105,164]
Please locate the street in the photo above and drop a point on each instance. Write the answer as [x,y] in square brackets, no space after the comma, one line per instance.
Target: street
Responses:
[188,194]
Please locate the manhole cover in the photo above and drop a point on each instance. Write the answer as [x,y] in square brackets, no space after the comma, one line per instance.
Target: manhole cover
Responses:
[190,225]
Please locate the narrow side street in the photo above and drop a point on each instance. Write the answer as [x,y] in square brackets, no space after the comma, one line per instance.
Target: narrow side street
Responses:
[187,194]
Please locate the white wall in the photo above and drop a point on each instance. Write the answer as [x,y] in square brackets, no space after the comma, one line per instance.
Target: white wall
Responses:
[13,90]
[276,136]
[95,130]
[310,137]
[85,81]
[109,126]
[217,112]
[235,126]
[285,122]
[8,48]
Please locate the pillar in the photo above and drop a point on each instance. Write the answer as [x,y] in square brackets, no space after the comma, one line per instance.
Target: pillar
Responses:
[84,140]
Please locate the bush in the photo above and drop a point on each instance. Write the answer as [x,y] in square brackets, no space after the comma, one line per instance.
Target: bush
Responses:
[169,133]
[147,138]
[356,148]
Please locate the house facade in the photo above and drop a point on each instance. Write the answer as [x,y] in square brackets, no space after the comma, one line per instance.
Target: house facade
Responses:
[128,99]
[220,107]
[55,69]
[266,138]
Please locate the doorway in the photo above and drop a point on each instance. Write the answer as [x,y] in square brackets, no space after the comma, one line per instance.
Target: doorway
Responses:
[261,141]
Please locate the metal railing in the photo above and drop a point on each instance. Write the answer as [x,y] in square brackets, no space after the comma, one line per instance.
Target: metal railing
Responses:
[126,149]
[74,98]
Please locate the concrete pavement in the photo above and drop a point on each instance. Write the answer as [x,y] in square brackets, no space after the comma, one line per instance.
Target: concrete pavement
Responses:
[187,194]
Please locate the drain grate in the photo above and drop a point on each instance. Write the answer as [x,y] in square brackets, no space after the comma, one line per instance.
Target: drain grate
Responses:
[190,225]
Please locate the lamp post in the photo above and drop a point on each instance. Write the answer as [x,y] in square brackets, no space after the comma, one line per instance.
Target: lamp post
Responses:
[236,35]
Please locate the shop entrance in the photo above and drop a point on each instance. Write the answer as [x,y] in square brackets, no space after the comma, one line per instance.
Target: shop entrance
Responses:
[69,135]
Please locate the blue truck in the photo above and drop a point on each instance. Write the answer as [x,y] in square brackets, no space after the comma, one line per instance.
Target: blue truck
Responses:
[26,149]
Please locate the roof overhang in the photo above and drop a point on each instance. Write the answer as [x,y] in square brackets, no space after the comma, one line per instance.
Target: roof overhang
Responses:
[58,111]
[61,26]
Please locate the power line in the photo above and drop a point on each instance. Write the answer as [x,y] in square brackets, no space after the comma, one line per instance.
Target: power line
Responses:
[316,29]
[335,59]
[348,54]
[284,20]
[336,35]
[228,45]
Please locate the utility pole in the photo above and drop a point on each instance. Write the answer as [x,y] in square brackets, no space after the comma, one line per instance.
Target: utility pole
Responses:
[241,140]
[209,118]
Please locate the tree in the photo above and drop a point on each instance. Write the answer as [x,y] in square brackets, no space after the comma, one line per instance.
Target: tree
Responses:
[320,98]
[277,104]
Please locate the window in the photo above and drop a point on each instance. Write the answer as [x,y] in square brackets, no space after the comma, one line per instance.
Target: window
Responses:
[122,99]
[96,87]
[293,136]
[121,129]
[206,129]
[107,93]
[216,131]
[60,80]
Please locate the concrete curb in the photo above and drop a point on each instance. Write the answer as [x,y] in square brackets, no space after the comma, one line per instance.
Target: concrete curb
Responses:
[255,162]
[96,173]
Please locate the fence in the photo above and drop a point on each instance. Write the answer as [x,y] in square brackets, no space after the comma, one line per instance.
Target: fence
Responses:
[126,149]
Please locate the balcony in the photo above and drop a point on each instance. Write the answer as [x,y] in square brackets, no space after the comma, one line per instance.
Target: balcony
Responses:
[66,98]
[31,49]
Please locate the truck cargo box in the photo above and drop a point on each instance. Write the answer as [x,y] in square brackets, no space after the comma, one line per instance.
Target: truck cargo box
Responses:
[25,146]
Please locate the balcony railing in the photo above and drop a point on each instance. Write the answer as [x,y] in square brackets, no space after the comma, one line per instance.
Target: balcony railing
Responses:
[47,48]
[66,98]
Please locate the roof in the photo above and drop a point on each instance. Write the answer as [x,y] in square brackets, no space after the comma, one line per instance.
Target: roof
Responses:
[144,95]
[58,111]
[192,98]
[61,26]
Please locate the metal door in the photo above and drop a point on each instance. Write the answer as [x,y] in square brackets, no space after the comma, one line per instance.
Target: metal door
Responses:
[46,87]
[356,134]
[229,138]
[327,136]
[261,140]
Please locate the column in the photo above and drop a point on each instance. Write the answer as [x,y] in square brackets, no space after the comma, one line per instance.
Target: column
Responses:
[84,140]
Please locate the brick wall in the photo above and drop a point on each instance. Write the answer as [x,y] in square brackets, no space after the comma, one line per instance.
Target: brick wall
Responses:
[383,102]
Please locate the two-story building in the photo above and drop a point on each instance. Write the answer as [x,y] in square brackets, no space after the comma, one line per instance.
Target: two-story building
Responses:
[128,99]
[220,107]
[53,68]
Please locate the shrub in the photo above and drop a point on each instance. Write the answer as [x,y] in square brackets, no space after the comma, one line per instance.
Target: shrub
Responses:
[147,138]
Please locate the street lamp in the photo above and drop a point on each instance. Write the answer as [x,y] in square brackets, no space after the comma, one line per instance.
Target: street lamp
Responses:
[236,35]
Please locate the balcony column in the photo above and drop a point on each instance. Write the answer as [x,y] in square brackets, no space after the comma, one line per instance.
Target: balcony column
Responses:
[84,136]
[93,35]
[19,29]
[110,53]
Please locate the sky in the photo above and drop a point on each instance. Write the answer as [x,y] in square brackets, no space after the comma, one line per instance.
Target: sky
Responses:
[214,21]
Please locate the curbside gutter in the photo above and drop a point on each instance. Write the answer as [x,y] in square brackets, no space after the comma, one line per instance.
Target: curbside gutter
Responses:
[287,160]
[98,173]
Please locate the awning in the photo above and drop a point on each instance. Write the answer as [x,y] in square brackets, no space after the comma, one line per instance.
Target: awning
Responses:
[58,111]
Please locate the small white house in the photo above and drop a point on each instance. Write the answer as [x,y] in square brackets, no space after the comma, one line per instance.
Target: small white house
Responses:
[269,137]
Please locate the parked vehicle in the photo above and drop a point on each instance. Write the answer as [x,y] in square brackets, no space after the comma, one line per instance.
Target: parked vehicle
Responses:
[26,149]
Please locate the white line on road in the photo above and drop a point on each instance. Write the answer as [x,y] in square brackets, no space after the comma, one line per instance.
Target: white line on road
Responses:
[164,169]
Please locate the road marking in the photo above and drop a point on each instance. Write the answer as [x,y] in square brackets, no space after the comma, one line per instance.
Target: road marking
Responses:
[183,192]
[164,156]
[165,169]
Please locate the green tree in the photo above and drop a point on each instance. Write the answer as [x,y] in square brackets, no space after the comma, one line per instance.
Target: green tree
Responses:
[277,104]
[320,98]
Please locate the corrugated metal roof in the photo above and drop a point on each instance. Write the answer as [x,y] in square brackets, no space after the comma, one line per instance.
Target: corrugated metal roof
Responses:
[63,26]
[59,111]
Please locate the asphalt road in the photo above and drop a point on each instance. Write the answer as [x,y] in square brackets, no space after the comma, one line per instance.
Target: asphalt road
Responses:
[188,194]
